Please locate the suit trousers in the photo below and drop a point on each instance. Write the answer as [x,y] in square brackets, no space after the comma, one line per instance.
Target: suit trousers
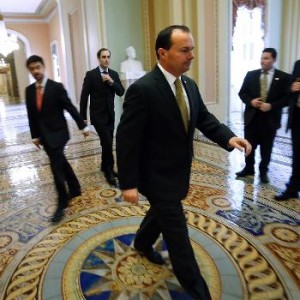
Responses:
[168,218]
[294,182]
[106,133]
[62,173]
[258,133]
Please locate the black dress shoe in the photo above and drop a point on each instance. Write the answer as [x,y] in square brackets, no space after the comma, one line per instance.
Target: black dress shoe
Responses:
[286,195]
[153,256]
[245,172]
[74,194]
[58,215]
[264,178]
[115,173]
[110,178]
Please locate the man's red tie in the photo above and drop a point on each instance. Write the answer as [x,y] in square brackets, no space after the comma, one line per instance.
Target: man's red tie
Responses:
[39,97]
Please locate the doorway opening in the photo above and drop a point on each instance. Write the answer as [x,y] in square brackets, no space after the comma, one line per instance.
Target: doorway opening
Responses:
[247,45]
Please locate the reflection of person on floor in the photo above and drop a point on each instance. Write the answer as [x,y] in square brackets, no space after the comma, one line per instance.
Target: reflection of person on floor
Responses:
[293,186]
[264,92]
[101,85]
[131,64]
[46,101]
[155,148]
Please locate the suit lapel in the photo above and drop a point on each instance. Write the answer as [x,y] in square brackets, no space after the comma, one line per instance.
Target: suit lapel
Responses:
[166,91]
[168,96]
[275,75]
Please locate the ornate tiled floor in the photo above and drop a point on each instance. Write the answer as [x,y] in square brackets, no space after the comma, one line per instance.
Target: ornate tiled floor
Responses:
[247,245]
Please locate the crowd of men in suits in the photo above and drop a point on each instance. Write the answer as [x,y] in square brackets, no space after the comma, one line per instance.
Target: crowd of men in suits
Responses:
[154,141]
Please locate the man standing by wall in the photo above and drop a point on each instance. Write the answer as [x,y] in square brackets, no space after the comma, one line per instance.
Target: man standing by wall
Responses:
[264,92]
[155,150]
[46,101]
[293,187]
[101,84]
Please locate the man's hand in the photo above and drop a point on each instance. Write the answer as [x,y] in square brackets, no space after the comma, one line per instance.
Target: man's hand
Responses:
[295,87]
[131,195]
[108,79]
[240,144]
[37,142]
[256,102]
[265,107]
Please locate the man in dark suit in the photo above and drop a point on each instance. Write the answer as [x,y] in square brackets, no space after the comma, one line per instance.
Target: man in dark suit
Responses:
[293,186]
[46,101]
[101,84]
[155,150]
[264,92]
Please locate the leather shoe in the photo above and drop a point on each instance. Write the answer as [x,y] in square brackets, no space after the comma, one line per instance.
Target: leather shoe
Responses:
[153,256]
[58,215]
[286,195]
[264,178]
[115,174]
[110,178]
[245,172]
[74,194]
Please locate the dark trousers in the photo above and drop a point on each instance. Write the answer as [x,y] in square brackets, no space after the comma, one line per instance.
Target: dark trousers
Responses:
[294,183]
[106,133]
[257,133]
[63,174]
[168,219]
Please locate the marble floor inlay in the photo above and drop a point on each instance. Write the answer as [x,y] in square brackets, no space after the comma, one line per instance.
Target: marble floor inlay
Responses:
[247,244]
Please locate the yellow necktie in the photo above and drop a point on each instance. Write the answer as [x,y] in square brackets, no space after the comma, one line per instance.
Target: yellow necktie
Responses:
[181,103]
[264,86]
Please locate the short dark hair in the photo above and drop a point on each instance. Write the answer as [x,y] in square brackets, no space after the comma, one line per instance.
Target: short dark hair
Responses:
[101,50]
[33,59]
[163,39]
[272,51]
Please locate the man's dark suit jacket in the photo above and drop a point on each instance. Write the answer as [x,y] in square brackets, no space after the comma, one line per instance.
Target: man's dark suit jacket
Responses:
[50,124]
[277,96]
[154,152]
[294,96]
[101,97]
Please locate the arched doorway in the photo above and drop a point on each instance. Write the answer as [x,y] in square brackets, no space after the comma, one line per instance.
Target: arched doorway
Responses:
[13,73]
[247,45]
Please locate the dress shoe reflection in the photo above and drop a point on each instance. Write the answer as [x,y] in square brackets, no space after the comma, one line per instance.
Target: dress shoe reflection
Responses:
[286,195]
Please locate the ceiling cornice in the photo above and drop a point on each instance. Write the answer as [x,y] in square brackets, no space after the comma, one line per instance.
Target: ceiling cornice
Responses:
[43,14]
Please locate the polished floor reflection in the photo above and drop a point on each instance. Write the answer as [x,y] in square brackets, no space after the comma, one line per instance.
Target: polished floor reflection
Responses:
[247,244]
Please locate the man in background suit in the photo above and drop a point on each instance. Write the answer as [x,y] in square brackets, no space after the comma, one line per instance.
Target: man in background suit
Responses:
[293,186]
[264,92]
[101,84]
[46,101]
[155,149]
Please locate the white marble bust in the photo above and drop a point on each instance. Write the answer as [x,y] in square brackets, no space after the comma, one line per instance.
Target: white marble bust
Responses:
[131,64]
